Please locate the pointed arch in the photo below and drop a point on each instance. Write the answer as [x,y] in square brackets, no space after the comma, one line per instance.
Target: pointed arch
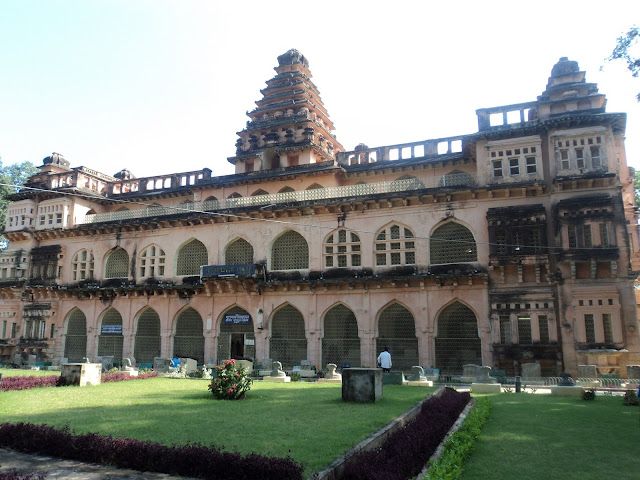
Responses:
[259,192]
[314,186]
[235,327]
[147,341]
[457,342]
[288,342]
[151,262]
[397,331]
[82,265]
[342,249]
[235,195]
[452,242]
[394,245]
[191,256]
[340,342]
[290,251]
[238,252]
[111,339]
[210,203]
[75,342]
[117,264]
[188,340]
[286,189]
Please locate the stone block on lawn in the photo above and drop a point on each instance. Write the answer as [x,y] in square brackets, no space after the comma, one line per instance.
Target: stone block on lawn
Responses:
[361,384]
[568,391]
[486,388]
[82,374]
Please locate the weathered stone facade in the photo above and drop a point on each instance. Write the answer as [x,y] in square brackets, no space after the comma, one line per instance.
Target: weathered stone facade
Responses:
[515,244]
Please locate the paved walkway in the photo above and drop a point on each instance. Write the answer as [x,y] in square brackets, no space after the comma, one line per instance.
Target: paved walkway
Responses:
[55,468]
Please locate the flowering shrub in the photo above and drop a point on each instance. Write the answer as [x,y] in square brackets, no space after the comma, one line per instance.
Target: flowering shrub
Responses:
[123,376]
[230,382]
[192,460]
[24,382]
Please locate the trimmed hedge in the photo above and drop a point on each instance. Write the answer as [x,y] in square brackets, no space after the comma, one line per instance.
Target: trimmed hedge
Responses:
[124,376]
[460,445]
[25,382]
[404,453]
[192,460]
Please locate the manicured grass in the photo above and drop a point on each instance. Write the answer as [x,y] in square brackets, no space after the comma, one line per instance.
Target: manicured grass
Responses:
[309,422]
[539,436]
[15,372]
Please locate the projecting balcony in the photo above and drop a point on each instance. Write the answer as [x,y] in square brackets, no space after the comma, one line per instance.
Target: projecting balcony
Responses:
[275,200]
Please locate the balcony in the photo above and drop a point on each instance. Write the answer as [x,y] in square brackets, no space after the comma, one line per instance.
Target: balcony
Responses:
[275,199]
[249,270]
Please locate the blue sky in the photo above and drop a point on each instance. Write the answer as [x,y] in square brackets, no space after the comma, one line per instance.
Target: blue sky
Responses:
[160,86]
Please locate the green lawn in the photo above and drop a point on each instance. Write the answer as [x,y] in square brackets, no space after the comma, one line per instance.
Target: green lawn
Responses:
[14,372]
[544,437]
[307,421]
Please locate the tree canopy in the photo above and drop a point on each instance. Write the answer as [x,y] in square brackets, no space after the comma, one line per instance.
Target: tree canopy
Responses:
[624,50]
[11,178]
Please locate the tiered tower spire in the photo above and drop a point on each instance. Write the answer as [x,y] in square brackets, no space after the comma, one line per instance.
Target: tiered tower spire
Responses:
[290,125]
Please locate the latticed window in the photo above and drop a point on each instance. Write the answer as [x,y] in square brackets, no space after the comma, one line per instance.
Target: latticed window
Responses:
[543,326]
[452,243]
[191,257]
[524,330]
[188,341]
[341,344]
[457,343]
[82,265]
[288,342]
[406,182]
[236,339]
[395,245]
[456,178]
[607,327]
[147,344]
[290,252]
[589,328]
[239,252]
[505,329]
[117,265]
[110,339]
[152,262]
[397,331]
[75,344]
[342,249]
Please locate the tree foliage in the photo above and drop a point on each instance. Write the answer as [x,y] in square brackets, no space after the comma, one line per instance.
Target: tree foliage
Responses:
[624,50]
[11,178]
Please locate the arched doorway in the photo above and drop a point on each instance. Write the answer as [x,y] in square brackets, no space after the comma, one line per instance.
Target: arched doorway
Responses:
[188,341]
[457,342]
[147,344]
[341,344]
[75,343]
[397,330]
[288,343]
[110,339]
[236,339]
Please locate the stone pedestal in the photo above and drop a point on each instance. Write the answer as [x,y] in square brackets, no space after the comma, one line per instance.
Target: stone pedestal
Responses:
[568,391]
[277,375]
[469,373]
[361,384]
[189,365]
[419,383]
[331,376]
[284,379]
[82,374]
[633,372]
[486,388]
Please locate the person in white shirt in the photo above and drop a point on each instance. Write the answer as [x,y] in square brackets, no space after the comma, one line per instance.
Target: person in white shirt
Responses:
[384,360]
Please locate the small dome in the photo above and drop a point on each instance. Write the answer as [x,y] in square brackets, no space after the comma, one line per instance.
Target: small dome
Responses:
[124,174]
[56,159]
[292,57]
[361,147]
[564,67]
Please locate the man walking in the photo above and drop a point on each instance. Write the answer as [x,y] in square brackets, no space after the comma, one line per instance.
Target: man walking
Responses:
[384,360]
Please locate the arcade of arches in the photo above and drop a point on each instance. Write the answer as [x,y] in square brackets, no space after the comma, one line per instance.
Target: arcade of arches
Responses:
[285,336]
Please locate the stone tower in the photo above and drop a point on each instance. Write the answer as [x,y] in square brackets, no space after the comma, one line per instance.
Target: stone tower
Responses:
[289,125]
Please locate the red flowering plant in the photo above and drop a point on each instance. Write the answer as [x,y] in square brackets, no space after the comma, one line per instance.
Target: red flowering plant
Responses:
[230,381]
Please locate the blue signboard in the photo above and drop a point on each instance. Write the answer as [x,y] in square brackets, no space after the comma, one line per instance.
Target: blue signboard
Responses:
[237,319]
[111,330]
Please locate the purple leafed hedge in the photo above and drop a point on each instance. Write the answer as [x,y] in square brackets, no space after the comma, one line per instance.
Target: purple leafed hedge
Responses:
[405,452]
[188,460]
[15,475]
[123,376]
[24,382]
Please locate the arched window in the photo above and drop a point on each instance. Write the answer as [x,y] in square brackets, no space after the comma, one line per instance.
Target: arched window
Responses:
[188,341]
[238,252]
[342,249]
[147,345]
[290,252]
[235,195]
[406,182]
[288,343]
[457,178]
[117,265]
[397,331]
[286,189]
[191,257]
[259,192]
[457,343]
[395,245]
[82,265]
[75,343]
[152,261]
[314,186]
[110,338]
[452,243]
[236,327]
[341,344]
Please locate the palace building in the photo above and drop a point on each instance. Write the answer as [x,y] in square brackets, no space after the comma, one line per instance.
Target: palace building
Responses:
[514,244]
